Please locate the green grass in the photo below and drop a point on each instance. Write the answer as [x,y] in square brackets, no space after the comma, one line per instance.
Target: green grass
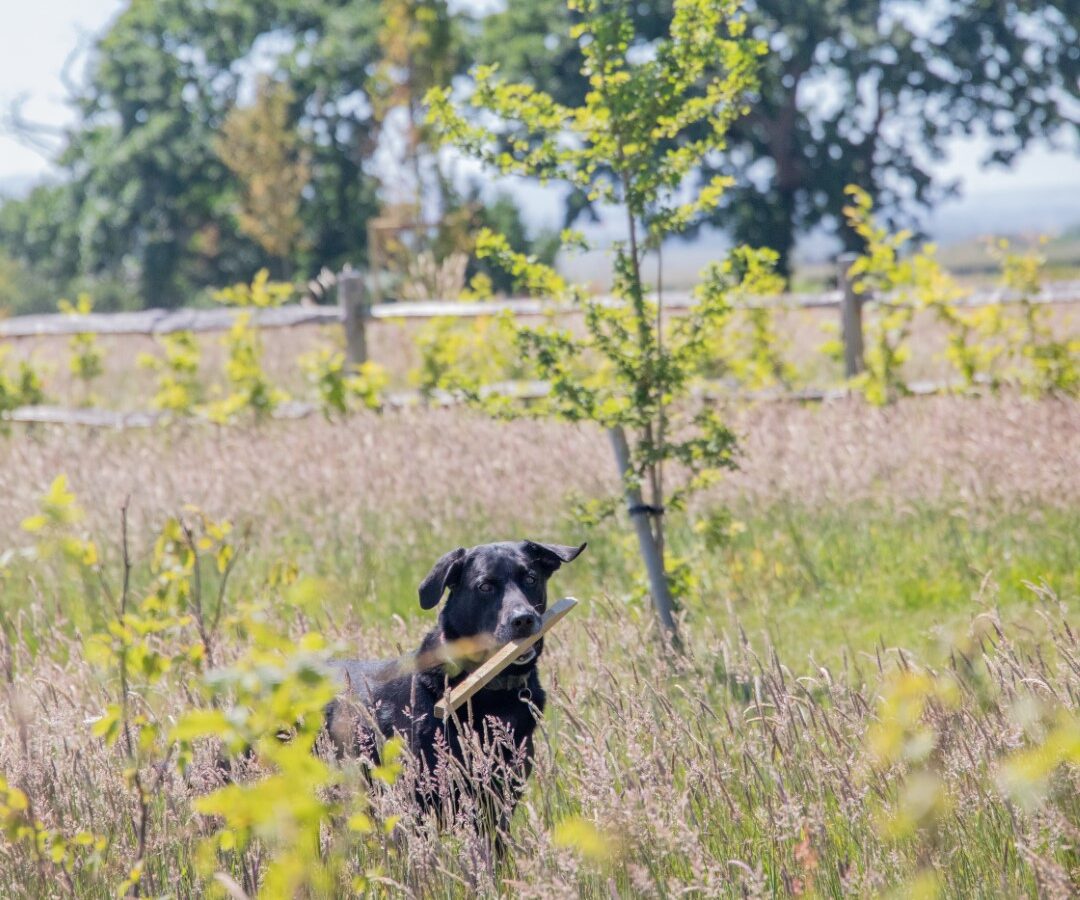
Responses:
[825,583]
[817,582]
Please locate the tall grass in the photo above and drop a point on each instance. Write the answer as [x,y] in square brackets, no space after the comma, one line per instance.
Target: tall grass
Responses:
[880,691]
[731,773]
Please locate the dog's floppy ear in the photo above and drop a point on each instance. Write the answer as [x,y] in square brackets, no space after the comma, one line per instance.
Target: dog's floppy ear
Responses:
[442,575]
[551,556]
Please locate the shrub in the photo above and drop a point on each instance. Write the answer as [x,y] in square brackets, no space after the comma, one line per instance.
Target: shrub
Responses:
[21,388]
[249,387]
[339,386]
[179,390]
[87,362]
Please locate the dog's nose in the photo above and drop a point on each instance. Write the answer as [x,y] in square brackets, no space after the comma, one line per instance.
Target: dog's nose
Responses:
[524,623]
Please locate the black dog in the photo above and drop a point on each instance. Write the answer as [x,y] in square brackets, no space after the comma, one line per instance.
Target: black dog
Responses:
[497,593]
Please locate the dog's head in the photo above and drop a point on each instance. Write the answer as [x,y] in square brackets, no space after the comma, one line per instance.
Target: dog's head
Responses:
[496,591]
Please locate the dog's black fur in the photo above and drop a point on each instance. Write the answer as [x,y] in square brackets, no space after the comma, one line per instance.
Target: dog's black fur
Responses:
[496,591]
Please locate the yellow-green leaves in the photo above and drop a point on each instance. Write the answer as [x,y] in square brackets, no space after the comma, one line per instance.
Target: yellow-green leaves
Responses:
[11,799]
[743,340]
[905,752]
[1053,742]
[277,687]
[881,270]
[262,293]
[170,629]
[23,387]
[58,508]
[269,703]
[535,278]
[648,121]
[341,387]
[54,850]
[179,390]
[107,725]
[390,762]
[53,527]
[986,346]
[264,698]
[924,753]
[87,361]
[249,388]
[1041,363]
[584,838]
[634,121]
[465,357]
[306,594]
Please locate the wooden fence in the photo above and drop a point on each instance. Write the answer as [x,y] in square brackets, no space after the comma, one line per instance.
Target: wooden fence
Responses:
[354,312]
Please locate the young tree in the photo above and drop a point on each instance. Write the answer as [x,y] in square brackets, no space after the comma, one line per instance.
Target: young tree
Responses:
[646,125]
[262,148]
[419,49]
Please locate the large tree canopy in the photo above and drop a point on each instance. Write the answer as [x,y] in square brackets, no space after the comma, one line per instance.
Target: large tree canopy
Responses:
[852,91]
[148,198]
[867,92]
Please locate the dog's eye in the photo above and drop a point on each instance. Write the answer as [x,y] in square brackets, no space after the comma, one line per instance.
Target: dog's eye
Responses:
[530,578]
[486,587]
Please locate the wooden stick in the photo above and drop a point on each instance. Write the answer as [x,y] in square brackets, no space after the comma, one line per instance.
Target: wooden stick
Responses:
[502,658]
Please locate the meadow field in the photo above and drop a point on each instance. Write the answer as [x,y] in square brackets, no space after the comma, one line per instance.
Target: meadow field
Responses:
[826,642]
[880,682]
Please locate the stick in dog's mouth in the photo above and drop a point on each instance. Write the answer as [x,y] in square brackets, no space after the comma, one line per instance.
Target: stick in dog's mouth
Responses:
[501,659]
[464,654]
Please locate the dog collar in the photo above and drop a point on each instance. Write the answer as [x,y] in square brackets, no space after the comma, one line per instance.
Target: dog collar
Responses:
[507,682]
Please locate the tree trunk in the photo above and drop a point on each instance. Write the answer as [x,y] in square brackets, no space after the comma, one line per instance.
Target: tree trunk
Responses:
[650,550]
[788,179]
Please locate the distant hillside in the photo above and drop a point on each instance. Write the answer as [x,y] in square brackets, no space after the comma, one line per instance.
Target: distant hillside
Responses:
[971,257]
[1045,210]
[960,226]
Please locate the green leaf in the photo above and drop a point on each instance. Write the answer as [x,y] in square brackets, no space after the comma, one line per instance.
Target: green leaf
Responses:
[201,723]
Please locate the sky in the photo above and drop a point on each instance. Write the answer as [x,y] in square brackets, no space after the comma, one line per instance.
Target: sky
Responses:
[37,38]
[40,35]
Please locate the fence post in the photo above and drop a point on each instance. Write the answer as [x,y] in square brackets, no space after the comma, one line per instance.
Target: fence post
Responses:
[355,312]
[850,317]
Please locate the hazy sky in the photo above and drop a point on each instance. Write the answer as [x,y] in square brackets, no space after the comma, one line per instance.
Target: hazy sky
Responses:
[38,35]
[36,38]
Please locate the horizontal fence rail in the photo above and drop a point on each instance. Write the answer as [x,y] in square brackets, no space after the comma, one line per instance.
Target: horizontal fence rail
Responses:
[162,321]
[152,322]
[119,420]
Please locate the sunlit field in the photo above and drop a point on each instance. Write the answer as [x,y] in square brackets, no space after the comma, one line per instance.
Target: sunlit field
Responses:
[920,558]
[811,526]
[840,516]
